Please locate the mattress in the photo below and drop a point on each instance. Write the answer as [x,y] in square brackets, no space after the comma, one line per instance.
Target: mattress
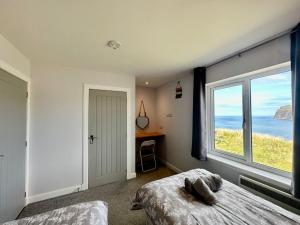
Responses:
[87,213]
[167,203]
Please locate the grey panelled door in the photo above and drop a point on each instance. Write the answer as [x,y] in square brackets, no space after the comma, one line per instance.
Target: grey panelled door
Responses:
[107,137]
[12,145]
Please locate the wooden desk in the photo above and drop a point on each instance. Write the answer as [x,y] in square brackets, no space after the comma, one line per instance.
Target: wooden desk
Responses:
[140,134]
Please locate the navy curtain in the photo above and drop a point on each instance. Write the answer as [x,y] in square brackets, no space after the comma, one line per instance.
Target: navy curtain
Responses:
[295,66]
[199,143]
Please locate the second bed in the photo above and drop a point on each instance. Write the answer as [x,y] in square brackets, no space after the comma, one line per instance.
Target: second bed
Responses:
[167,203]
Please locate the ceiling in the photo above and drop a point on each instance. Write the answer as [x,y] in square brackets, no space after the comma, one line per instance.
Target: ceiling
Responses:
[160,38]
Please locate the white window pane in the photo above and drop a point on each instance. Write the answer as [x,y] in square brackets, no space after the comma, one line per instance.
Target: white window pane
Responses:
[272,121]
[228,109]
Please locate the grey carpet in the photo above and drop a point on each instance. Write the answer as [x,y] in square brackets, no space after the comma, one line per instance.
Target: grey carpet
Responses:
[118,196]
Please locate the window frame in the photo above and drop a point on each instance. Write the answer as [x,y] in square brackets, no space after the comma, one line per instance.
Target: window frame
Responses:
[245,80]
[212,121]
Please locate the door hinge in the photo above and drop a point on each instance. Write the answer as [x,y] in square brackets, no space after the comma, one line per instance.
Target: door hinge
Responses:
[25,143]
[26,94]
[25,194]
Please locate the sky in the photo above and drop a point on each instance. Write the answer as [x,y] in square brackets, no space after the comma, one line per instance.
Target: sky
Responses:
[267,95]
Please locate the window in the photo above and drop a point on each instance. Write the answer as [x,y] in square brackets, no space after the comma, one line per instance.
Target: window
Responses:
[228,113]
[251,120]
[272,121]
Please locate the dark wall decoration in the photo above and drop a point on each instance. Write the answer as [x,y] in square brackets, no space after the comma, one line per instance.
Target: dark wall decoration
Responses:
[178,90]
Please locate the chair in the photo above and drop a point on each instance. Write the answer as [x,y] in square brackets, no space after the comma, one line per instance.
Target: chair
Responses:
[147,152]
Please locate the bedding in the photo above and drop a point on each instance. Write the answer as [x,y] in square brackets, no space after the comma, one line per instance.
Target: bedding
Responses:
[167,203]
[88,213]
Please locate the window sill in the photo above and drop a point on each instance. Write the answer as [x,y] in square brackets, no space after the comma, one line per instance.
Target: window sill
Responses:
[252,171]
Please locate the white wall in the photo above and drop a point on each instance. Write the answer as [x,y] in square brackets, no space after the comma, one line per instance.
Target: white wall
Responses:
[148,95]
[273,53]
[56,126]
[178,129]
[56,97]
[13,61]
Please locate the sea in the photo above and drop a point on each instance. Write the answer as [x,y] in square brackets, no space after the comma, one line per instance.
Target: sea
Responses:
[260,124]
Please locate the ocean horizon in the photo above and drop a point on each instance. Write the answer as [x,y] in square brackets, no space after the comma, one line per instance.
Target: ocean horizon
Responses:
[260,124]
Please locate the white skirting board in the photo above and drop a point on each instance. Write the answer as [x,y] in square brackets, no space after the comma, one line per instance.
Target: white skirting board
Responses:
[170,166]
[131,176]
[77,188]
[64,191]
[52,194]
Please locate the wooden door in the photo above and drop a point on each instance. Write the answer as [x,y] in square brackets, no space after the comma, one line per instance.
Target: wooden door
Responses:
[107,137]
[13,98]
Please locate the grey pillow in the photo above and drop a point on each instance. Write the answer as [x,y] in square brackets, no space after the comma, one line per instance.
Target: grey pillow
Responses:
[188,185]
[204,192]
[214,181]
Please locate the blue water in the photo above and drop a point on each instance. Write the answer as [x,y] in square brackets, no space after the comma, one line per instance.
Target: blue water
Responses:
[261,124]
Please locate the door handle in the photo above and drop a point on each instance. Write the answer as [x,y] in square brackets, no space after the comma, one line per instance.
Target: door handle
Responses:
[1,156]
[92,138]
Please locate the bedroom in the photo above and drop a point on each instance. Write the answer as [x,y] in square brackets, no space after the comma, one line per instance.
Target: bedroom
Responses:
[60,52]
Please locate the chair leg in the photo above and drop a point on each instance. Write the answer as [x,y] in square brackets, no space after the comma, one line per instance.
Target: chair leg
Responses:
[154,158]
[141,159]
[142,163]
[154,168]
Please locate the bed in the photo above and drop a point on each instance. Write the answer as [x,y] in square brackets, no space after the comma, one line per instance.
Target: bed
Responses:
[88,213]
[167,203]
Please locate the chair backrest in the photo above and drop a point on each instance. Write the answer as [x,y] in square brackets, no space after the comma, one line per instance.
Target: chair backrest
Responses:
[148,144]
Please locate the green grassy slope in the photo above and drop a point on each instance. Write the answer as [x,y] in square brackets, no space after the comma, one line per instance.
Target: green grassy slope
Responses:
[267,150]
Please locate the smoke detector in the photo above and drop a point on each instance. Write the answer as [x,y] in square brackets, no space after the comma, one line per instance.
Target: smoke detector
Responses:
[113,44]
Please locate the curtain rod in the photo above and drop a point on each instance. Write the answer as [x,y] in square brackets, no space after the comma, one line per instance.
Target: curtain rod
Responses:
[239,53]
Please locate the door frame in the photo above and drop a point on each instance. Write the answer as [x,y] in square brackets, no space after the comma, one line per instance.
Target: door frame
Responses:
[14,72]
[85,133]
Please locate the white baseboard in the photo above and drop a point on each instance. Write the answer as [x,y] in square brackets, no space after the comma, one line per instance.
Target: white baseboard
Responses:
[64,191]
[52,194]
[84,187]
[171,166]
[131,176]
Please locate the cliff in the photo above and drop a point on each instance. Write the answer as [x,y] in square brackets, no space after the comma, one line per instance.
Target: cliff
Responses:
[284,113]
